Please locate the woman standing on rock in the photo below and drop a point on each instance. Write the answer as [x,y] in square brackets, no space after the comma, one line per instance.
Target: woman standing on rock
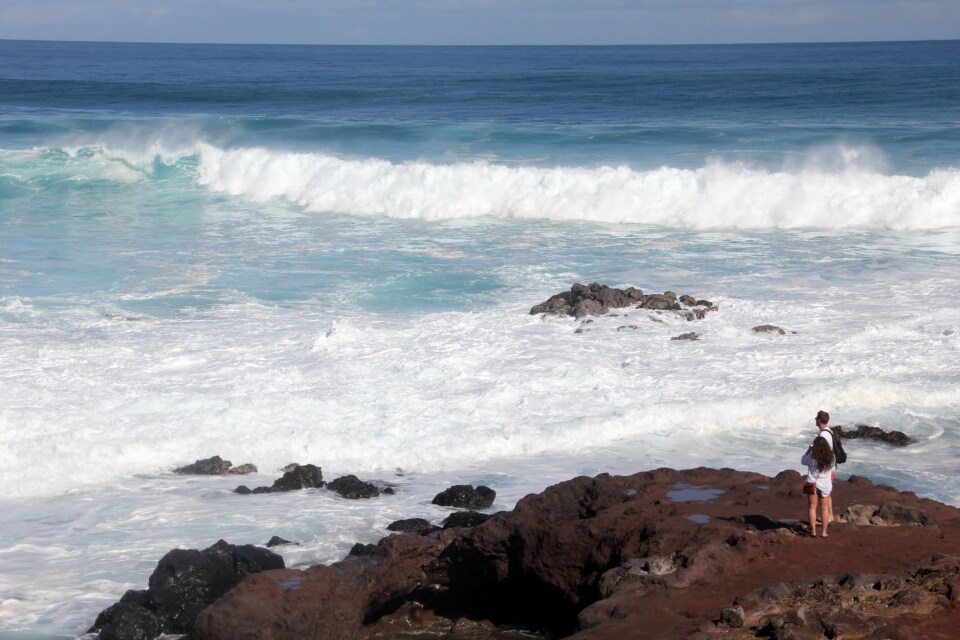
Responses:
[819,483]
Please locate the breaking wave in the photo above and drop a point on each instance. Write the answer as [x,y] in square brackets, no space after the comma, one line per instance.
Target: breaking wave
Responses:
[718,195]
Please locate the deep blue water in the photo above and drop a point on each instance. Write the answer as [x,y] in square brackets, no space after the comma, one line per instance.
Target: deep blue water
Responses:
[552,105]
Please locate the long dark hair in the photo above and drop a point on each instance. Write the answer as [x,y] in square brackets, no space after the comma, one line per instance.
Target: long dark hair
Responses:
[822,454]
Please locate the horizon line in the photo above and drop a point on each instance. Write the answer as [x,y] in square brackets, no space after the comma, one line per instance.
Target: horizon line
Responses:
[427,45]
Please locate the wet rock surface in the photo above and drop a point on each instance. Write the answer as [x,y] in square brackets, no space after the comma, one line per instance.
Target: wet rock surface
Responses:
[771,328]
[866,432]
[294,478]
[598,299]
[215,466]
[183,584]
[634,557]
[588,300]
[354,488]
[413,525]
[465,496]
[465,519]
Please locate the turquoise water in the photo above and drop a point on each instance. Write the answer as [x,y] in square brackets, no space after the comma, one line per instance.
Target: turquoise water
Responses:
[328,255]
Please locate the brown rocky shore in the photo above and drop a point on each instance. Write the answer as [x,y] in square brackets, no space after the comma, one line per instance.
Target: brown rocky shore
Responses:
[700,553]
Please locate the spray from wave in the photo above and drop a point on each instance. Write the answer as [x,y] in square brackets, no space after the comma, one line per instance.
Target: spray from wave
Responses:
[835,186]
[718,195]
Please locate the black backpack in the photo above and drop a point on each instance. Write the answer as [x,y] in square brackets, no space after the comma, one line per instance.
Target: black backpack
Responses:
[840,456]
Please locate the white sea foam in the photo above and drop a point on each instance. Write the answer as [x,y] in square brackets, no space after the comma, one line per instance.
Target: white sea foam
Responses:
[850,192]
[95,410]
[106,400]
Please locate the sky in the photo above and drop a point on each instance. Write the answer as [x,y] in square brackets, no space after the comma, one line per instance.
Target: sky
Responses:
[478,22]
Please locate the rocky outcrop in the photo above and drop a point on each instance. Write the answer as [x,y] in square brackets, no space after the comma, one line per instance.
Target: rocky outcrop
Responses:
[413,525]
[896,438]
[297,476]
[183,584]
[663,554]
[277,541]
[354,488]
[770,328]
[465,519]
[693,335]
[847,605]
[465,496]
[215,466]
[588,300]
[598,299]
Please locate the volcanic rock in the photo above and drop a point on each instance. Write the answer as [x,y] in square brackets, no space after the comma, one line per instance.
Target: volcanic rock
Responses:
[215,466]
[127,621]
[693,335]
[413,525]
[661,555]
[897,438]
[464,496]
[276,541]
[302,476]
[769,328]
[298,476]
[465,519]
[183,584]
[360,549]
[584,300]
[352,487]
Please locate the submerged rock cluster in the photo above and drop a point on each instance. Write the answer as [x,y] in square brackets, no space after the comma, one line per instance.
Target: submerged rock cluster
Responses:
[598,299]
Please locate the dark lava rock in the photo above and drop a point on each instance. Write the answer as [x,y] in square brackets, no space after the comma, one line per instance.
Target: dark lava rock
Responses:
[215,466]
[896,514]
[732,617]
[666,301]
[302,476]
[581,559]
[295,477]
[693,335]
[184,583]
[126,621]
[464,496]
[896,438]
[276,541]
[465,519]
[360,549]
[352,487]
[412,525]
[583,300]
[769,328]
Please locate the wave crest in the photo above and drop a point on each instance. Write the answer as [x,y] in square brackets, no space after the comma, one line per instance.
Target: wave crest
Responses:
[716,196]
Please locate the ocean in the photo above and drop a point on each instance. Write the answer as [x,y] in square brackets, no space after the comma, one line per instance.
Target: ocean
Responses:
[328,255]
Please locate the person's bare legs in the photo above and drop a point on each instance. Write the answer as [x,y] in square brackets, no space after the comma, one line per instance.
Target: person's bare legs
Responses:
[828,508]
[812,513]
[825,515]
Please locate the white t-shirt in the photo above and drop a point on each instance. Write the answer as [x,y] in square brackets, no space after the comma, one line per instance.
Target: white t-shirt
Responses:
[827,435]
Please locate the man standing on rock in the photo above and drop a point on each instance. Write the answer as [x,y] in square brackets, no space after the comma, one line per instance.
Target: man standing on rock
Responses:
[823,419]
